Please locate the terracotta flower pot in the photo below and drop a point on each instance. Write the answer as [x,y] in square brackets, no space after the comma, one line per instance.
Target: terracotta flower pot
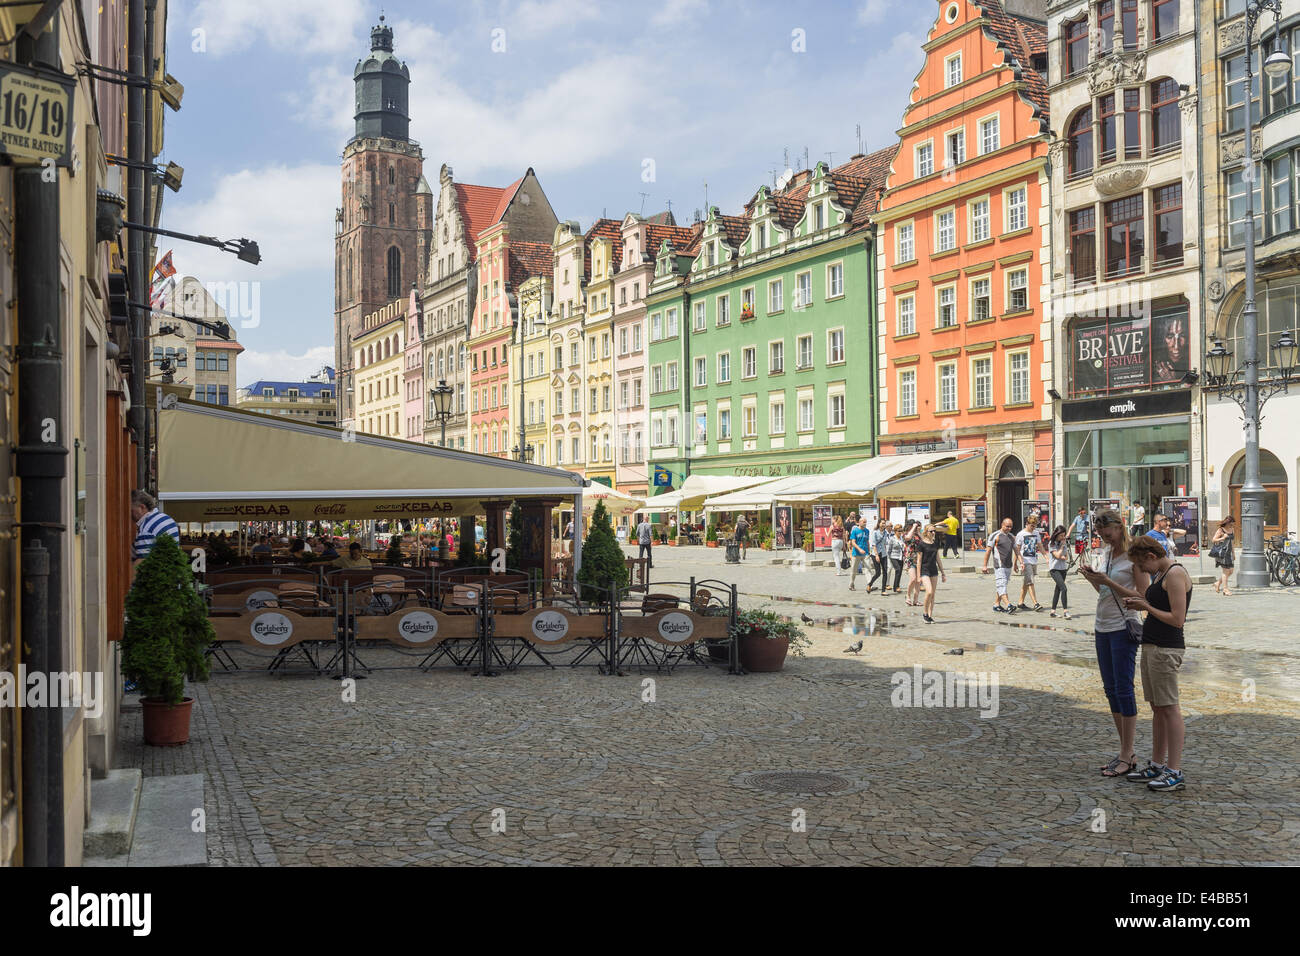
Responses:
[711,544]
[762,654]
[166,725]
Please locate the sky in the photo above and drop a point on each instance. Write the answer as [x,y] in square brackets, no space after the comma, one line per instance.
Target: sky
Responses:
[604,100]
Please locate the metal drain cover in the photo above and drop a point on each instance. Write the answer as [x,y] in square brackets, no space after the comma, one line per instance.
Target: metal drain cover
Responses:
[785,781]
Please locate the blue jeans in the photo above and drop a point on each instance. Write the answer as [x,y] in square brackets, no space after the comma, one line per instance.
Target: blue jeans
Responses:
[1116,657]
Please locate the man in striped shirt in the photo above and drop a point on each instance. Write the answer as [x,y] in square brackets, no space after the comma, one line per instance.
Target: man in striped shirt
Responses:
[149,523]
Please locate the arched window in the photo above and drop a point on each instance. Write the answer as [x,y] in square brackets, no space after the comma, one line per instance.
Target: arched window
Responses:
[1271,471]
[394,272]
[392,175]
[1276,300]
[347,292]
[1079,150]
[442,365]
[1076,45]
[371,360]
[1011,469]
[1166,130]
[460,360]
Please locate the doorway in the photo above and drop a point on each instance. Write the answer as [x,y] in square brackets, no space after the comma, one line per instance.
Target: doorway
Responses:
[1013,488]
[1273,477]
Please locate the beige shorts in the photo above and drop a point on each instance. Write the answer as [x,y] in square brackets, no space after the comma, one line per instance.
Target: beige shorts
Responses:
[1160,674]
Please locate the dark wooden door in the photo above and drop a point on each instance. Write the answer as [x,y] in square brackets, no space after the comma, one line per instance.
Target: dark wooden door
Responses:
[1275,509]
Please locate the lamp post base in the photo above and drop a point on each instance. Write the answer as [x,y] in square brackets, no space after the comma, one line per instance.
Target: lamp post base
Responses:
[1252,571]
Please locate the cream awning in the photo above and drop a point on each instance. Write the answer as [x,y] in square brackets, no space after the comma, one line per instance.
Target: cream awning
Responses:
[617,503]
[963,478]
[217,463]
[696,488]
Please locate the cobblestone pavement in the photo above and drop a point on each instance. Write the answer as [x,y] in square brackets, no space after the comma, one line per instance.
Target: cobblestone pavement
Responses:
[580,769]
[1252,635]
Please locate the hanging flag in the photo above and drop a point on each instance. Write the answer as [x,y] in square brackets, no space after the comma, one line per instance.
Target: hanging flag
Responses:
[164,269]
[158,298]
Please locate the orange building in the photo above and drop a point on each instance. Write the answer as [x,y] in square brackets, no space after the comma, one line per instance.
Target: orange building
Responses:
[964,254]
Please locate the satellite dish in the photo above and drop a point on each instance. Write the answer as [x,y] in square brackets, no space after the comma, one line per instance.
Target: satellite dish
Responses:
[785,178]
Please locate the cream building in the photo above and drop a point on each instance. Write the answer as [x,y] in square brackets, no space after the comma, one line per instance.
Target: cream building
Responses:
[378,363]
[531,347]
[604,251]
[197,356]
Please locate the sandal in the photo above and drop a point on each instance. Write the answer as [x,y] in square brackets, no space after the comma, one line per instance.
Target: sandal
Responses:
[1112,769]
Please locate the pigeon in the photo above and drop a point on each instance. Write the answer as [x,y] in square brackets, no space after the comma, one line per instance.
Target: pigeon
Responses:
[956,650]
[853,648]
[806,619]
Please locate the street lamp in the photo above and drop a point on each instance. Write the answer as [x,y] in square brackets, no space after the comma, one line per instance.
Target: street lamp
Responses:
[243,249]
[526,455]
[442,406]
[1254,569]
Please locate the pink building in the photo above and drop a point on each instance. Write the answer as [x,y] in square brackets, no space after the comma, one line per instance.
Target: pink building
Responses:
[413,371]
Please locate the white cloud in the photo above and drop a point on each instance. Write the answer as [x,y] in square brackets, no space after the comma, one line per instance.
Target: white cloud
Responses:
[300,26]
[281,365]
[671,12]
[545,16]
[874,11]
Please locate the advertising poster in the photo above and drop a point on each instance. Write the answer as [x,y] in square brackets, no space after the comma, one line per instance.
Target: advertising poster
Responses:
[1098,505]
[1184,523]
[918,511]
[1112,353]
[821,527]
[1041,511]
[782,526]
[974,525]
[897,515]
[870,514]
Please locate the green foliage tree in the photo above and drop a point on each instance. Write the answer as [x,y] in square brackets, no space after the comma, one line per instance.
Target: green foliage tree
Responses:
[167,627]
[603,564]
[515,536]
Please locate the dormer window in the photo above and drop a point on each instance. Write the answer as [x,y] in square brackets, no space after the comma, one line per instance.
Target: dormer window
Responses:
[709,255]
[819,217]
[760,237]
[268,393]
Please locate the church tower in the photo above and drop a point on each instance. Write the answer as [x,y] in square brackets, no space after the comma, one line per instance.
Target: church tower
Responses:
[382,227]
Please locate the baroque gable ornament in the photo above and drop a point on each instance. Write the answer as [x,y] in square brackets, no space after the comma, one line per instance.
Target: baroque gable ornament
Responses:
[1117,69]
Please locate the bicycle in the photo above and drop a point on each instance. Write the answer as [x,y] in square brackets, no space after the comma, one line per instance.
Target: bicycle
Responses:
[1283,558]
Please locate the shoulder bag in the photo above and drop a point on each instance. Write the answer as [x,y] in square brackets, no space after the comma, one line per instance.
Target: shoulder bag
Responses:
[1132,626]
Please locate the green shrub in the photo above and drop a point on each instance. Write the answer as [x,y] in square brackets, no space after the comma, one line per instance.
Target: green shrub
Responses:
[167,627]
[756,622]
[603,563]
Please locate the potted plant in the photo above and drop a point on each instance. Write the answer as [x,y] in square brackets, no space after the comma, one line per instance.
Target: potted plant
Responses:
[672,535]
[711,536]
[765,638]
[167,632]
[604,568]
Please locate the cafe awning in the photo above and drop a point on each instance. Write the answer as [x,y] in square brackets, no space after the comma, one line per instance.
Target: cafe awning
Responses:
[696,488]
[217,463]
[963,478]
[617,503]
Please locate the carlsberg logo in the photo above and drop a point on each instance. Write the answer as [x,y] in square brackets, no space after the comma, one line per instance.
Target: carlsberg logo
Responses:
[676,627]
[271,628]
[418,626]
[550,626]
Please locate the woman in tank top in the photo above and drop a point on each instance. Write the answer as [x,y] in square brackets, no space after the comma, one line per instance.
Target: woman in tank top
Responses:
[1115,579]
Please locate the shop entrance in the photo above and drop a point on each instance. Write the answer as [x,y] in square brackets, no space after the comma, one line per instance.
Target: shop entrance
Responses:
[1273,477]
[1013,488]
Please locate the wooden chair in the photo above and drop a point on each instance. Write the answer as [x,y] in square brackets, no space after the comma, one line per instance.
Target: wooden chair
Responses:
[654,603]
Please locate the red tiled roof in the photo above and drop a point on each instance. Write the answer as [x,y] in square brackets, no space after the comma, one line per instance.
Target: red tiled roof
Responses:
[1020,38]
[529,259]
[478,208]
[865,176]
[734,228]
[609,229]
[507,195]
[664,218]
[682,237]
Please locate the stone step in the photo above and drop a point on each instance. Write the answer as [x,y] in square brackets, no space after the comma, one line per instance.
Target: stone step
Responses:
[114,806]
[165,834]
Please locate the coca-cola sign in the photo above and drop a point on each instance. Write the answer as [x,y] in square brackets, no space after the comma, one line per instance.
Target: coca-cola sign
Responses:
[271,628]
[418,627]
[550,626]
[676,627]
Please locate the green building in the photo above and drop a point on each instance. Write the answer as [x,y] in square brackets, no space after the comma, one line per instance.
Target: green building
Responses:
[762,334]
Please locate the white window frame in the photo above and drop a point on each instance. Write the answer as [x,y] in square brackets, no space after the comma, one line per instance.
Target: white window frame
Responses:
[774,402]
[701,378]
[722,310]
[924,151]
[770,369]
[972,296]
[904,375]
[671,376]
[843,419]
[831,283]
[724,375]
[983,126]
[958,136]
[952,77]
[803,294]
[799,352]
[940,231]
[636,337]
[1006,207]
[938,305]
[1010,274]
[805,399]
[749,419]
[910,300]
[748,362]
[939,403]
[724,423]
[700,322]
[975,377]
[830,346]
[749,294]
[779,286]
[1011,356]
[974,219]
[905,241]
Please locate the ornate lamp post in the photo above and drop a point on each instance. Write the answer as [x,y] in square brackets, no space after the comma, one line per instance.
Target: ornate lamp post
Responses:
[442,406]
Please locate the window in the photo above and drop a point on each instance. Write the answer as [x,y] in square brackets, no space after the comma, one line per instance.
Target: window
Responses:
[945,230]
[955,154]
[595,448]
[724,310]
[990,136]
[700,324]
[979,220]
[1079,148]
[1017,201]
[591,350]
[1018,378]
[748,362]
[835,280]
[1234,83]
[575,354]
[1083,244]
[670,323]
[622,394]
[776,418]
[952,71]
[636,391]
[656,327]
[803,290]
[1106,128]
[1124,250]
[394,272]
[906,242]
[946,314]
[835,346]
[1106,26]
[724,367]
[749,421]
[948,387]
[1129,23]
[805,414]
[1167,211]
[819,217]
[604,345]
[604,398]
[657,432]
[1164,19]
[924,160]
[672,429]
[775,358]
[906,315]
[1018,290]
[701,372]
[672,376]
[1166,129]
[747,303]
[981,300]
[724,424]
[835,411]
[636,338]
[1076,46]
[559,450]
[981,382]
[1132,123]
[656,379]
[775,297]
[805,351]
[1237,207]
[575,400]
[907,392]
[577,449]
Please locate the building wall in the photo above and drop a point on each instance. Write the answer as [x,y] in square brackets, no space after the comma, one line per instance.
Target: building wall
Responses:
[489,347]
[632,421]
[378,397]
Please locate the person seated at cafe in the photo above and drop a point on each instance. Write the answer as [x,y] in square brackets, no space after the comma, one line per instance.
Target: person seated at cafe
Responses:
[353,559]
[299,551]
[263,545]
[327,551]
[394,554]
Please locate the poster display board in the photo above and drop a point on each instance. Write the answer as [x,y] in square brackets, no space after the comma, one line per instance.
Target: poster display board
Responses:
[821,527]
[974,525]
[1185,517]
[869,514]
[1040,509]
[1095,507]
[782,526]
[918,511]
[897,515]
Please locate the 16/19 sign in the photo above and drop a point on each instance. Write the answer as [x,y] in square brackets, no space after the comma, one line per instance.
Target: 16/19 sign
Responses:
[35,116]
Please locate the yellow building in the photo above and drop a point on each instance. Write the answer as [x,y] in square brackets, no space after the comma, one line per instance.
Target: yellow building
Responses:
[378,360]
[604,243]
[531,363]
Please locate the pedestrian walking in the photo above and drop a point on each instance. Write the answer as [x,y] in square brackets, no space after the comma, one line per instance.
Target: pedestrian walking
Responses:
[1115,643]
[931,569]
[897,548]
[149,523]
[879,539]
[1028,543]
[1081,528]
[859,547]
[837,544]
[911,558]
[1166,602]
[1058,553]
[742,535]
[951,539]
[644,540]
[1139,520]
[1221,552]
[1001,548]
